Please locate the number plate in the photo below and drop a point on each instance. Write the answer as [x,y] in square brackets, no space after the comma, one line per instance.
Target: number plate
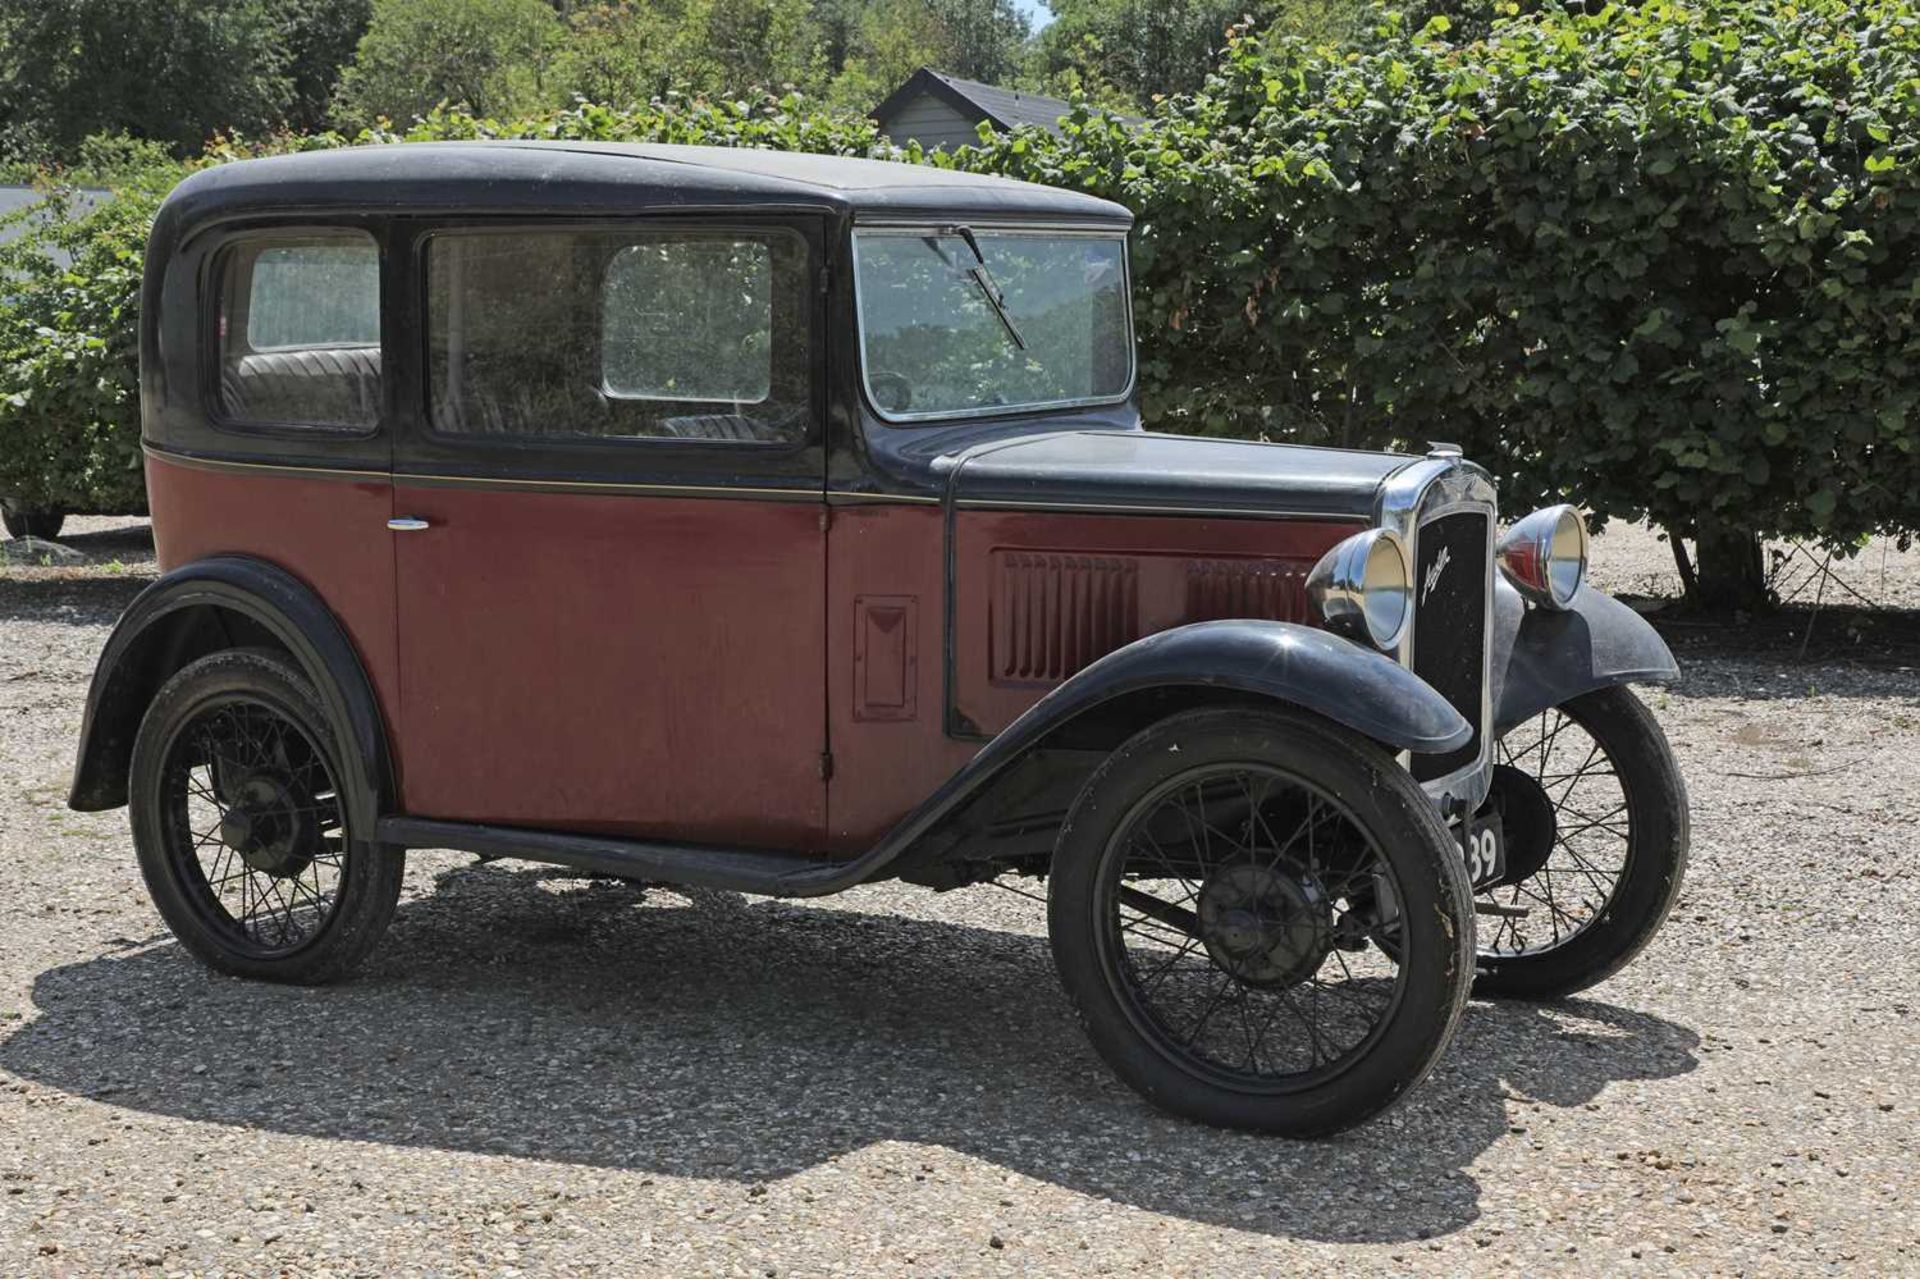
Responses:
[1485,847]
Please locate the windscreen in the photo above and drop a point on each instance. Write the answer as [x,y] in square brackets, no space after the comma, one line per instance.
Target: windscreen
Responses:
[969,321]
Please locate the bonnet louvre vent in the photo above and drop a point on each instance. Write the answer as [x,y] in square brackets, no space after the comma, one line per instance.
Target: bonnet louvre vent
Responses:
[1053,614]
[1270,589]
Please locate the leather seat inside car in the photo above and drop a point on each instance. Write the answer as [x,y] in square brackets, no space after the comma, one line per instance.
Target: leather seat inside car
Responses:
[322,385]
[781,428]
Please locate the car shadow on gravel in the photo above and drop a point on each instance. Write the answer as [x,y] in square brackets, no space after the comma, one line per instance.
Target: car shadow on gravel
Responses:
[740,1040]
[73,600]
[127,542]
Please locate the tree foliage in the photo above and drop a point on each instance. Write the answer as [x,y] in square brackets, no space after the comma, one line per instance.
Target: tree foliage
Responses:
[505,57]
[320,37]
[178,71]
[1145,48]
[490,56]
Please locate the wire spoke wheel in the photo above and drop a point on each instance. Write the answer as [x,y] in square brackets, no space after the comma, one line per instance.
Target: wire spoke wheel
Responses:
[254,826]
[1240,901]
[1261,920]
[1595,817]
[243,826]
[1581,829]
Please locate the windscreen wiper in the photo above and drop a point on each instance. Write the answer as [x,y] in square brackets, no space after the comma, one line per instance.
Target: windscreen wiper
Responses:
[988,286]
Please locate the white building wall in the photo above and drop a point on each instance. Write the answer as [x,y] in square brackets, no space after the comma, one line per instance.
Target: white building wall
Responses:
[932,123]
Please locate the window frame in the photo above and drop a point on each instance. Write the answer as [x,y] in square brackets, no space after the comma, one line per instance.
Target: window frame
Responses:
[213,353]
[909,230]
[639,226]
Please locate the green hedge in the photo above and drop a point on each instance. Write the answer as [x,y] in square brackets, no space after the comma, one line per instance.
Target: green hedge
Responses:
[70,351]
[1663,260]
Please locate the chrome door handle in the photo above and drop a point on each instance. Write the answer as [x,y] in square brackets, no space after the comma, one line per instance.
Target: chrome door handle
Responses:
[407,524]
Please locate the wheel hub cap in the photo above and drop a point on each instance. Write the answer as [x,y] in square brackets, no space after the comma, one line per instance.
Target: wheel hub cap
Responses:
[1526,820]
[1265,927]
[269,826]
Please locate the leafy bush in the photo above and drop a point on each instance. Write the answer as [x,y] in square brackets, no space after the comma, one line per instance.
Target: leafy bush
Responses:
[69,351]
[787,123]
[1662,260]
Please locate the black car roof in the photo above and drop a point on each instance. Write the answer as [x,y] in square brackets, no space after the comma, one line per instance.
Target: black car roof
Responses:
[614,177]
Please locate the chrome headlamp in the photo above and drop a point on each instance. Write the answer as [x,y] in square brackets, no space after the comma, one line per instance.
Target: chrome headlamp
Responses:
[1363,588]
[1545,556]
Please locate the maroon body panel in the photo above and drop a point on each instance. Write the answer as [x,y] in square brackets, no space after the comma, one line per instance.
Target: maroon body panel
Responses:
[330,532]
[674,667]
[614,662]
[887,586]
[1038,595]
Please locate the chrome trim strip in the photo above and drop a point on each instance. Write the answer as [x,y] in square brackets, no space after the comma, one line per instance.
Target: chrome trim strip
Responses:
[1113,508]
[1409,499]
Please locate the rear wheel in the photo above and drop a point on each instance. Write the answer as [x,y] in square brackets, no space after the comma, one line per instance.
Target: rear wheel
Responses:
[1595,816]
[21,521]
[1220,896]
[243,834]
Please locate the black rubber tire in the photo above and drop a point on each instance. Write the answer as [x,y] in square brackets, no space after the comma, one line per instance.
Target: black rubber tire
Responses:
[19,522]
[370,882]
[1409,834]
[1656,862]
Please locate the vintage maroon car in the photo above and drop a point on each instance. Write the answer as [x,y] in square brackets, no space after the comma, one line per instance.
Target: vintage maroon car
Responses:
[782,523]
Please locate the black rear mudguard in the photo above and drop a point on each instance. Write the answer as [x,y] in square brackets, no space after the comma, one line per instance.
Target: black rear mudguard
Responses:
[1542,658]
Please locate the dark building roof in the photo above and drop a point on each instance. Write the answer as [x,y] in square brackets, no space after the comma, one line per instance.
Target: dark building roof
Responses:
[1002,108]
[614,177]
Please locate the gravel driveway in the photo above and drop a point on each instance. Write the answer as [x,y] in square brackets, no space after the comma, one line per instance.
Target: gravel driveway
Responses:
[543,1076]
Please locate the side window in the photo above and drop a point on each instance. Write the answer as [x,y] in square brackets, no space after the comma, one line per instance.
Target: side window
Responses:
[299,331]
[683,335]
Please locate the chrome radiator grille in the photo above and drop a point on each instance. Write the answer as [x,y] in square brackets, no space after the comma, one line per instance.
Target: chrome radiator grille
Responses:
[1450,625]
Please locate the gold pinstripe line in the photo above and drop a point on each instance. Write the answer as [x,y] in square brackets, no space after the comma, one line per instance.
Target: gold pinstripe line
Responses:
[612,486]
[721,490]
[464,481]
[231,464]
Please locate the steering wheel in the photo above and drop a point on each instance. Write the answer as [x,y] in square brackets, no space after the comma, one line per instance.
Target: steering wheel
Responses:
[891,391]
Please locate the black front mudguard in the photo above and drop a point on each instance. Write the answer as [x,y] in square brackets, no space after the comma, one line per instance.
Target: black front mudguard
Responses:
[1543,658]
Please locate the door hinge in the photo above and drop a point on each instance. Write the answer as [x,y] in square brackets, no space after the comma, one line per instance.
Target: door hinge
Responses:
[826,518]
[826,766]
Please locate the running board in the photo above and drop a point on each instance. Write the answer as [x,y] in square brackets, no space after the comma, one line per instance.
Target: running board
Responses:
[735,869]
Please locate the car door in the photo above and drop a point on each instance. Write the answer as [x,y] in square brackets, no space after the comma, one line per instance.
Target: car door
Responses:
[609,534]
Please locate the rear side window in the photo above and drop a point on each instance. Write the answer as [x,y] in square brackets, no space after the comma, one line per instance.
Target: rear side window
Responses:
[673,335]
[299,331]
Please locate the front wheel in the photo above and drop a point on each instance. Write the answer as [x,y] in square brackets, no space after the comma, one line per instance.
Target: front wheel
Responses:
[1595,816]
[1261,921]
[243,833]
